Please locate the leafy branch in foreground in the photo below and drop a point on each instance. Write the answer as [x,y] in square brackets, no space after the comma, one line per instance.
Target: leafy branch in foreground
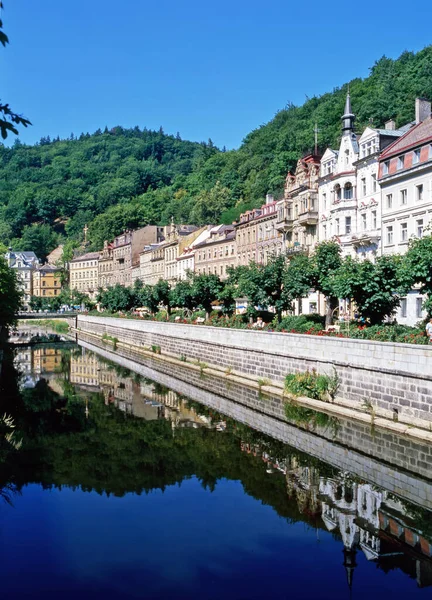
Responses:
[8,118]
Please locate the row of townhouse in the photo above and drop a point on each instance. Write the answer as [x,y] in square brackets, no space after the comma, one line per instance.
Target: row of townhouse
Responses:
[372,195]
[35,278]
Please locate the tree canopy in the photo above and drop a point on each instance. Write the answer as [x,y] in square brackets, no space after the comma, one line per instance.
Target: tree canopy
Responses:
[118,178]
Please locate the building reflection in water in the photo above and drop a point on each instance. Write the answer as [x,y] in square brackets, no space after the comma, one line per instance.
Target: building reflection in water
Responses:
[38,362]
[367,518]
[131,394]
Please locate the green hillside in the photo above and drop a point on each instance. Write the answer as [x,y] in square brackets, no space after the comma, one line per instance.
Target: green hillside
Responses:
[129,177]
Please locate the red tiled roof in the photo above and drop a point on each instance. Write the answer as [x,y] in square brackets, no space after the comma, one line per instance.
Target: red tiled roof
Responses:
[417,135]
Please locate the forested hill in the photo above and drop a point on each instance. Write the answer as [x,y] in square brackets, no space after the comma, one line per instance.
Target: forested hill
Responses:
[129,177]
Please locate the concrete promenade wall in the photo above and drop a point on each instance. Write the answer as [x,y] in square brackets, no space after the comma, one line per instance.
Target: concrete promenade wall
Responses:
[384,459]
[392,376]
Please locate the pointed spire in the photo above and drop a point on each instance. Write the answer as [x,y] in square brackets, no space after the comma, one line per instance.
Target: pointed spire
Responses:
[348,116]
[349,564]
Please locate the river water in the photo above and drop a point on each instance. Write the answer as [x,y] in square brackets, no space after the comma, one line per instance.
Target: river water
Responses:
[124,487]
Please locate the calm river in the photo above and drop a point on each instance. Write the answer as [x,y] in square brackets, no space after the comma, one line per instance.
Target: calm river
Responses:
[125,488]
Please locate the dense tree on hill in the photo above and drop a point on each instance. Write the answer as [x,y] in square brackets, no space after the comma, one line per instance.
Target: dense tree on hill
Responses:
[130,177]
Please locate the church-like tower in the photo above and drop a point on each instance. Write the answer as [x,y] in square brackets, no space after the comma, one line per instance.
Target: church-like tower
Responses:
[348,117]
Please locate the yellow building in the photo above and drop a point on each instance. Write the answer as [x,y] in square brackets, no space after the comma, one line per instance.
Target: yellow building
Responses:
[84,273]
[46,360]
[46,281]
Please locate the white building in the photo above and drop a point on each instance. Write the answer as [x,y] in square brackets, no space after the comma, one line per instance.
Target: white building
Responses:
[186,260]
[405,177]
[337,187]
[366,235]
[23,263]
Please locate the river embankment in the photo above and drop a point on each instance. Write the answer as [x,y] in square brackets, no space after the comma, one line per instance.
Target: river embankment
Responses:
[394,380]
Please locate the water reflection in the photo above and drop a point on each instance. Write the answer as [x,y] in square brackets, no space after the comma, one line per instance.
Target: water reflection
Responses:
[90,425]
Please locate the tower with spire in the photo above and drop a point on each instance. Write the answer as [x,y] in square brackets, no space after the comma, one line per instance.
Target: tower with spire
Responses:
[337,187]
[348,117]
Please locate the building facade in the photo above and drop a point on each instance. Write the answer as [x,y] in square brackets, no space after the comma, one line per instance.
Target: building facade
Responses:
[338,187]
[24,264]
[177,239]
[405,177]
[269,239]
[246,236]
[366,236]
[297,212]
[84,274]
[46,281]
[217,252]
[106,266]
[126,250]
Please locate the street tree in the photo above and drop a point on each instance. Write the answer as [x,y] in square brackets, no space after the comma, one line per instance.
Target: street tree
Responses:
[375,287]
[205,290]
[10,297]
[419,267]
[325,262]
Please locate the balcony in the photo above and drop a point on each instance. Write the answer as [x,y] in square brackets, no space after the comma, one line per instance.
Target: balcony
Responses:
[295,248]
[285,223]
[366,238]
[309,217]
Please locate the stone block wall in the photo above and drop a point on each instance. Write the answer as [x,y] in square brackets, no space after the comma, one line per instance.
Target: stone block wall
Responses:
[382,458]
[395,377]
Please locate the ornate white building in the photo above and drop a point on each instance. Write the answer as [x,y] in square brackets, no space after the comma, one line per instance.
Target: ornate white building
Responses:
[337,187]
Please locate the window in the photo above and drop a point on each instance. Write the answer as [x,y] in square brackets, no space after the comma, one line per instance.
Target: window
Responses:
[347,225]
[386,167]
[390,234]
[416,157]
[363,186]
[419,307]
[374,183]
[403,306]
[337,227]
[346,157]
[403,197]
[400,162]
[419,192]
[348,191]
[338,192]
[325,232]
[404,232]
[363,220]
[374,219]
[419,228]
[389,200]
[325,201]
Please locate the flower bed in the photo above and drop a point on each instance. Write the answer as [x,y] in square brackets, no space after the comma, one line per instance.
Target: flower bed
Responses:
[304,324]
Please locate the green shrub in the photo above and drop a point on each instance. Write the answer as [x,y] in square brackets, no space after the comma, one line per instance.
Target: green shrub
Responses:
[312,323]
[312,385]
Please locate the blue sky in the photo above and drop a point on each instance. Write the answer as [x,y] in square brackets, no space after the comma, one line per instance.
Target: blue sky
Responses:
[204,69]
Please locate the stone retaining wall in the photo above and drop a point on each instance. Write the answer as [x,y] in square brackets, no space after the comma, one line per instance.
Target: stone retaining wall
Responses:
[377,456]
[395,377]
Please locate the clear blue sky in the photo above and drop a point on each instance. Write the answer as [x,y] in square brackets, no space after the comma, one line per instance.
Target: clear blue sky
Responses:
[206,69]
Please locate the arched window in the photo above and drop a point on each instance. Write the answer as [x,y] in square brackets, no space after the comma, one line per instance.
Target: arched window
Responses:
[337,192]
[348,191]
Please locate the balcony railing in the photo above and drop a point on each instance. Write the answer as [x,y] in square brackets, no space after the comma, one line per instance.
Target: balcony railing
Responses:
[296,248]
[285,223]
[309,217]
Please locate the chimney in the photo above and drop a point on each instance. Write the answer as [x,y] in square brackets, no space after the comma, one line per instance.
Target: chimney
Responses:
[422,110]
[390,125]
[269,198]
